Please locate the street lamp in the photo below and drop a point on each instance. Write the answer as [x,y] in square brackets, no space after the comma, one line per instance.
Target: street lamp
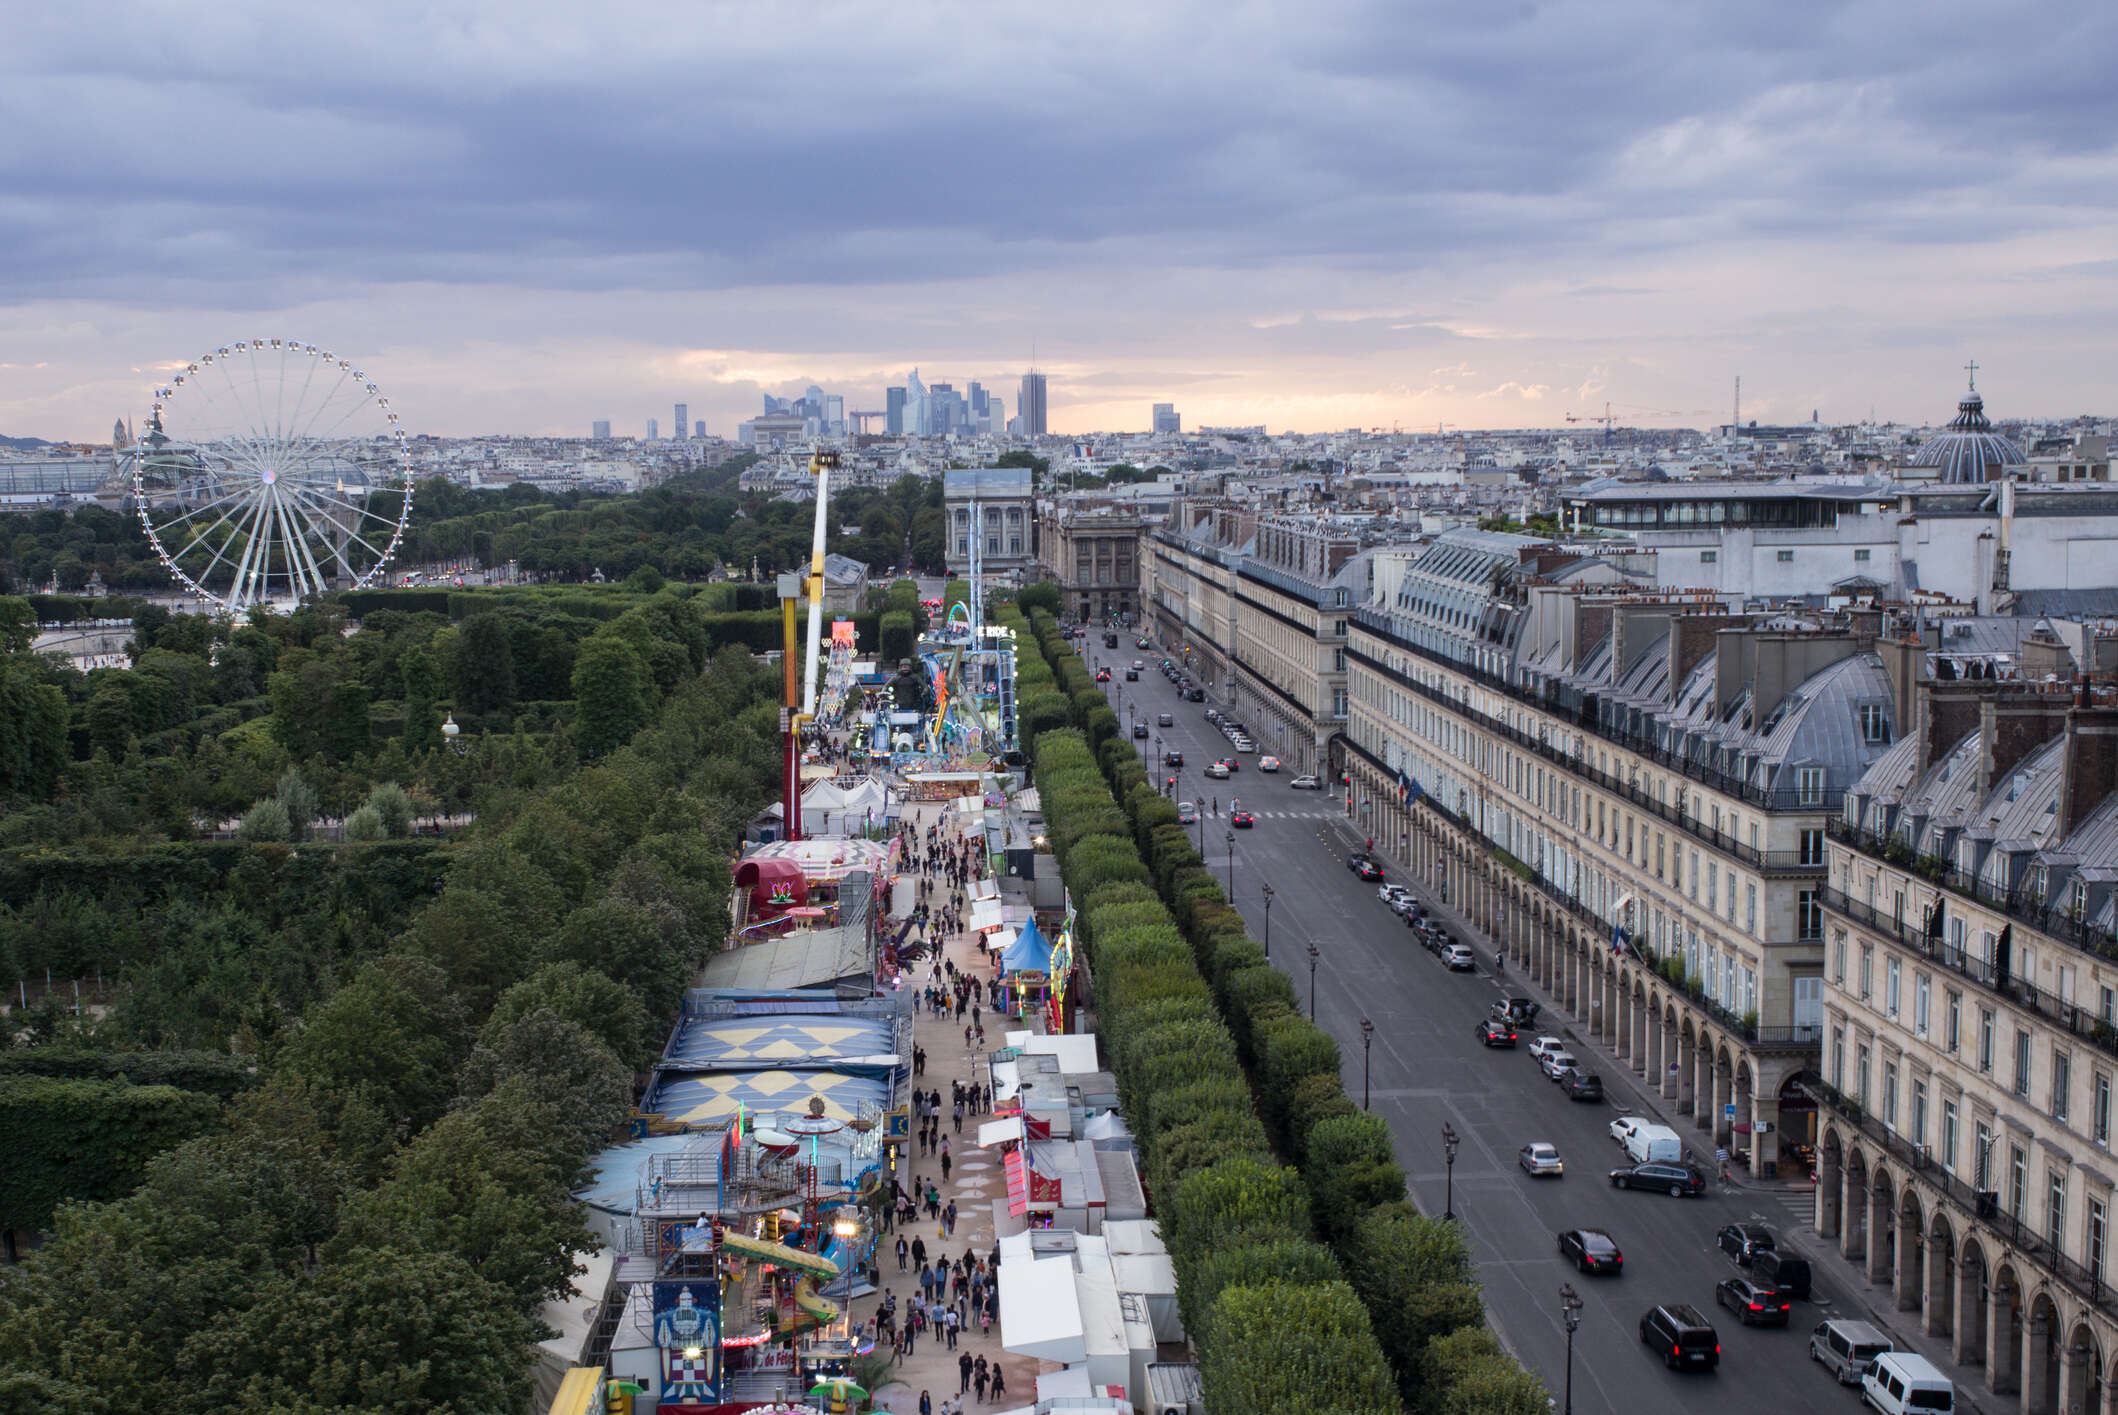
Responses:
[1268,923]
[1569,1308]
[1449,1141]
[1367,1040]
[1313,955]
[1231,864]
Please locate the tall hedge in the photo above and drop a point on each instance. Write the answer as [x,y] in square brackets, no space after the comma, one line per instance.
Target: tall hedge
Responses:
[1182,1031]
[70,1138]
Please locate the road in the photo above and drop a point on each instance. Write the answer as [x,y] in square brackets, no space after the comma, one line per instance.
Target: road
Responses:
[1427,1070]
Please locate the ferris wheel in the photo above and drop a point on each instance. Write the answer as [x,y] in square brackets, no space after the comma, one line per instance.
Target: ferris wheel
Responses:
[271,471]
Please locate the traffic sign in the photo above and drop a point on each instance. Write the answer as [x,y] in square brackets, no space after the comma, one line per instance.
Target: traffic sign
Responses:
[1729,1111]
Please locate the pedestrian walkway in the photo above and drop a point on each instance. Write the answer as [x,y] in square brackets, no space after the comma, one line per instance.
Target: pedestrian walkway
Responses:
[973,1183]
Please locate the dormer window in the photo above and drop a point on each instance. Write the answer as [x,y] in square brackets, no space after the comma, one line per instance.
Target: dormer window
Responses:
[2078,898]
[2040,882]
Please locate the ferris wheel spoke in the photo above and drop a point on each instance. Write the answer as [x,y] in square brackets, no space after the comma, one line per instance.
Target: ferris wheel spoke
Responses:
[306,431]
[205,538]
[353,405]
[298,566]
[242,562]
[350,533]
[301,398]
[176,521]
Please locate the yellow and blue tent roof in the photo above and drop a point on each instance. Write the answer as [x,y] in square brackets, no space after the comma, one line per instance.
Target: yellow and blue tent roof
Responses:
[713,1099]
[782,1040]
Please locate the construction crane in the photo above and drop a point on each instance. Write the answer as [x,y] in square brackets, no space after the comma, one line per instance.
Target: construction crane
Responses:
[1608,419]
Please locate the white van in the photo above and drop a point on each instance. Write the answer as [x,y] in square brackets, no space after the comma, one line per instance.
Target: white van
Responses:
[1900,1381]
[1654,1144]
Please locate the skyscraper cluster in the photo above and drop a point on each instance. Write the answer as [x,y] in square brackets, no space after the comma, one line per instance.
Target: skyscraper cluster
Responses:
[1166,418]
[917,408]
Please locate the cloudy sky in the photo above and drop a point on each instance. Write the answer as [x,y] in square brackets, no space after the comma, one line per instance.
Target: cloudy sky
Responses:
[524,216]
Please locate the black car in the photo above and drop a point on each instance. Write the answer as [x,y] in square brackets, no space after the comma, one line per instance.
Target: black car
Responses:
[1591,1250]
[1132,675]
[1496,1034]
[1754,1305]
[1197,695]
[1677,1179]
[1744,1241]
[1140,730]
[1172,758]
[1582,1086]
[1367,868]
[1686,1339]
[1784,1271]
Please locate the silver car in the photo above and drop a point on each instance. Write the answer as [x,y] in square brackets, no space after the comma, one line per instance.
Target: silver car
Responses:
[1540,1157]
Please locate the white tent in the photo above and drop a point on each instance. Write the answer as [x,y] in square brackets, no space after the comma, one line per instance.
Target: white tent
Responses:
[1040,1310]
[831,809]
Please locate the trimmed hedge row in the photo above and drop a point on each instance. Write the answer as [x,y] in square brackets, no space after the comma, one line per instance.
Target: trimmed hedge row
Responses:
[1303,1281]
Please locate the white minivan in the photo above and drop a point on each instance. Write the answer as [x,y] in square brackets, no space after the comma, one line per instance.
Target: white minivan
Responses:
[1900,1381]
[1654,1144]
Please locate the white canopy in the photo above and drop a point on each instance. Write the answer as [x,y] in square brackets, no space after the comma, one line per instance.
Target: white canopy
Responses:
[994,1132]
[1040,1310]
[985,914]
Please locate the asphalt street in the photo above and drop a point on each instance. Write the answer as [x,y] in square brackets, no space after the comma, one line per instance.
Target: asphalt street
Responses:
[1427,1069]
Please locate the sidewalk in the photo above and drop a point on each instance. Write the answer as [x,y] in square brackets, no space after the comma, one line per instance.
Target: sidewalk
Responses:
[975,1182]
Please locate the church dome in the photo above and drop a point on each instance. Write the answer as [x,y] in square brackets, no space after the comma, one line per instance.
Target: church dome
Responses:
[1970,451]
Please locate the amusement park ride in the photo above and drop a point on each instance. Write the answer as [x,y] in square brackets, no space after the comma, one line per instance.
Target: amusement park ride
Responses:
[954,705]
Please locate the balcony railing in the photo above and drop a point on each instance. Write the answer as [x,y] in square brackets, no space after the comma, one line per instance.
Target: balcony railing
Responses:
[1773,799]
[2021,905]
[1794,861]
[1738,1024]
[2091,1027]
[1979,1205]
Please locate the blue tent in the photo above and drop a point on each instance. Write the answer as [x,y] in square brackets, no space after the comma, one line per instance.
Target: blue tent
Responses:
[1029,953]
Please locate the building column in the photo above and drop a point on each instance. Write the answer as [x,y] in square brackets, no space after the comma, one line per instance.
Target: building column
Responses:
[1905,1286]
[1964,1346]
[2001,1375]
[1933,1280]
[2074,1383]
[2036,1375]
[1652,1041]
[1702,1109]
[1764,1143]
[1853,1214]
[1670,1072]
[1643,1012]
[1881,1221]
[1724,1089]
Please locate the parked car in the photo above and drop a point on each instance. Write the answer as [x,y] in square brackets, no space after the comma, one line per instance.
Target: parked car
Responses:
[1368,869]
[1519,1010]
[1541,1157]
[1678,1179]
[1140,730]
[1753,1305]
[1172,757]
[1686,1339]
[1556,1064]
[1459,958]
[1545,1045]
[1194,694]
[1305,783]
[1744,1241]
[1902,1383]
[1582,1085]
[1495,1033]
[1591,1250]
[1268,763]
[1625,1125]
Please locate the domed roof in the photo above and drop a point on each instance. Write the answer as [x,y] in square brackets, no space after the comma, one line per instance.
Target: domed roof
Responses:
[1970,451]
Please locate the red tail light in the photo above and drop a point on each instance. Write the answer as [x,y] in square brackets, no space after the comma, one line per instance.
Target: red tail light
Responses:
[1679,1351]
[1756,1308]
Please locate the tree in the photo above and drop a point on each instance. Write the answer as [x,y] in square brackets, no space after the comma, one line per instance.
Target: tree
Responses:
[393,1034]
[33,740]
[265,822]
[646,579]
[394,807]
[457,1190]
[422,685]
[562,1064]
[585,997]
[111,726]
[298,799]
[364,826]
[346,722]
[18,624]
[71,1138]
[1042,595]
[613,694]
[379,1330]
[485,665]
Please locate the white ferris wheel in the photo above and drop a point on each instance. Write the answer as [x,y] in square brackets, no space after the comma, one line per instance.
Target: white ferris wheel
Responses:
[271,471]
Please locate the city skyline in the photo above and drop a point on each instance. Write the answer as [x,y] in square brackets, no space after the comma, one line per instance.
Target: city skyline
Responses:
[1389,218]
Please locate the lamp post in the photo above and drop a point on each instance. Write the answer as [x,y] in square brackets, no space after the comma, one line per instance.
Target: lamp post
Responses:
[1231,863]
[1313,955]
[1449,1141]
[1570,1309]
[1367,1041]
[1268,923]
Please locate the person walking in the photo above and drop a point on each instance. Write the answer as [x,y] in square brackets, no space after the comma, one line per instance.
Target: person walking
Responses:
[978,1377]
[1000,1383]
[902,1249]
[952,1324]
[963,1371]
[926,1403]
[945,1161]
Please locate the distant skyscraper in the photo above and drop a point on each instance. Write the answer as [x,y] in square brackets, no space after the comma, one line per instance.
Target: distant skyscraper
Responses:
[918,413]
[834,415]
[654,430]
[1166,419]
[894,411]
[683,421]
[600,429]
[1029,405]
[698,429]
